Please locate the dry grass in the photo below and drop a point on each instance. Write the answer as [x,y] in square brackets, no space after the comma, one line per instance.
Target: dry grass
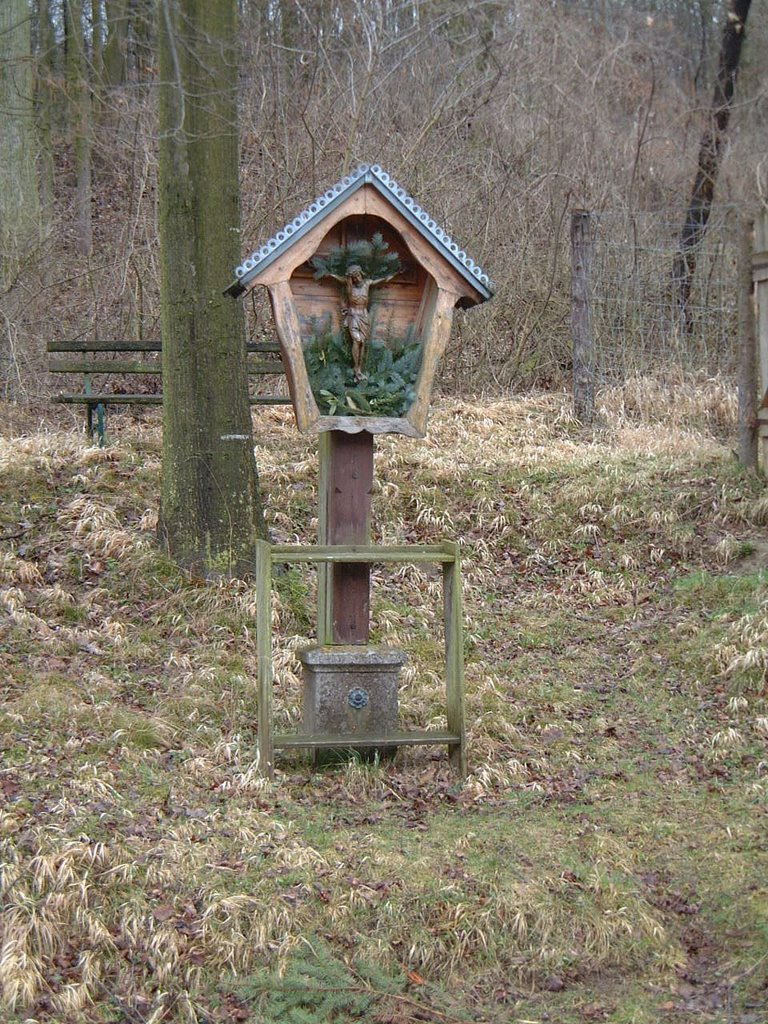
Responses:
[616,662]
[676,405]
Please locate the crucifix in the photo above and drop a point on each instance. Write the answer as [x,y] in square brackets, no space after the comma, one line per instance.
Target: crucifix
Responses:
[356,315]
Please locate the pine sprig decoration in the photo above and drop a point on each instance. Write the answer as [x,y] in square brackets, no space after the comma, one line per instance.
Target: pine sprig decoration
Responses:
[388,387]
[374,259]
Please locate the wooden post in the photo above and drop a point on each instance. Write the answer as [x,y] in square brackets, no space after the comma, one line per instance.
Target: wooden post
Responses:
[263,583]
[760,286]
[581,320]
[454,658]
[747,351]
[346,478]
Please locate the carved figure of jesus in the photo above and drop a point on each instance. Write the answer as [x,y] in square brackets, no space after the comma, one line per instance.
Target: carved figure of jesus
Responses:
[355,315]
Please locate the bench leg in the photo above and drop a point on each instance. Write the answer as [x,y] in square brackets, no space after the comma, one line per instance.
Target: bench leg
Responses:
[99,408]
[100,423]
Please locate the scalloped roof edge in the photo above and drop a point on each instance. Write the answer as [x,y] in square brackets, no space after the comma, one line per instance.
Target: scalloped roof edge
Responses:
[365,174]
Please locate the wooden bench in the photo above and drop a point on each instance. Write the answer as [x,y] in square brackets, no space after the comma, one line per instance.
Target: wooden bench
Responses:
[96,361]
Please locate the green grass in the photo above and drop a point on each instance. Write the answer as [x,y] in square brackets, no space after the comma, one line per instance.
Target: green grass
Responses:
[606,858]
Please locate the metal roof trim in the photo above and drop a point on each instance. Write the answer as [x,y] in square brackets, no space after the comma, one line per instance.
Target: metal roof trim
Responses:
[371,174]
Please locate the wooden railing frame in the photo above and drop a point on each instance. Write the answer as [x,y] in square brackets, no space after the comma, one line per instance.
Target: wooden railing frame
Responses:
[447,555]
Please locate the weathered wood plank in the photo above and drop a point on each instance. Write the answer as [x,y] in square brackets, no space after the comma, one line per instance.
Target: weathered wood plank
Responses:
[107,399]
[361,553]
[128,366]
[287,322]
[346,475]
[373,424]
[384,739]
[80,398]
[106,345]
[454,660]
[263,583]
[262,346]
[102,366]
[439,313]
[324,569]
[102,345]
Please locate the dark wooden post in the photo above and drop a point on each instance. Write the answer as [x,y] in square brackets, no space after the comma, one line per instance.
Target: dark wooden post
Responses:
[346,478]
[760,286]
[747,352]
[583,351]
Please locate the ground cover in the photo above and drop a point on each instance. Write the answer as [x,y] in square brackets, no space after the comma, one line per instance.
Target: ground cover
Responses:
[606,858]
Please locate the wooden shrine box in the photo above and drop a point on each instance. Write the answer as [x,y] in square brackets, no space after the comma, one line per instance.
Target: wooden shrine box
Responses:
[410,315]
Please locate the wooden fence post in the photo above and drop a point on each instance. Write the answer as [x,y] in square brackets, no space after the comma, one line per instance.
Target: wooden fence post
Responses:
[583,349]
[760,284]
[747,351]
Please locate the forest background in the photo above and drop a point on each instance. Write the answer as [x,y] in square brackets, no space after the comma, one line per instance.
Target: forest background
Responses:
[499,117]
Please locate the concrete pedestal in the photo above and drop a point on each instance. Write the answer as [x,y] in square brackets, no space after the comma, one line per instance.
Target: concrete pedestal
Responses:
[350,691]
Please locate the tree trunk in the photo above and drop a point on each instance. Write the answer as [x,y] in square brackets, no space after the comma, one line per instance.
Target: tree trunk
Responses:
[210,506]
[79,96]
[46,108]
[141,17]
[97,41]
[710,154]
[116,42]
[19,202]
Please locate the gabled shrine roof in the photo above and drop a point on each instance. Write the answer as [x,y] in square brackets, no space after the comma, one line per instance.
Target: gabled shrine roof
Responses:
[365,174]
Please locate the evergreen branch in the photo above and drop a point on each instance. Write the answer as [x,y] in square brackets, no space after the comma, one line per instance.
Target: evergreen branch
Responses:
[363,989]
[373,257]
[448,1019]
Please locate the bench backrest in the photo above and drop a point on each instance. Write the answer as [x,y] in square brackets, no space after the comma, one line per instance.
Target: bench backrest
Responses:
[99,357]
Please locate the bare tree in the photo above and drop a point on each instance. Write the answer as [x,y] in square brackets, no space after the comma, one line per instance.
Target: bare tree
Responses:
[19,204]
[80,118]
[710,155]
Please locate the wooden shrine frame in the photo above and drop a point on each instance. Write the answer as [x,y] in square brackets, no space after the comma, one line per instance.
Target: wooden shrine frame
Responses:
[447,555]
